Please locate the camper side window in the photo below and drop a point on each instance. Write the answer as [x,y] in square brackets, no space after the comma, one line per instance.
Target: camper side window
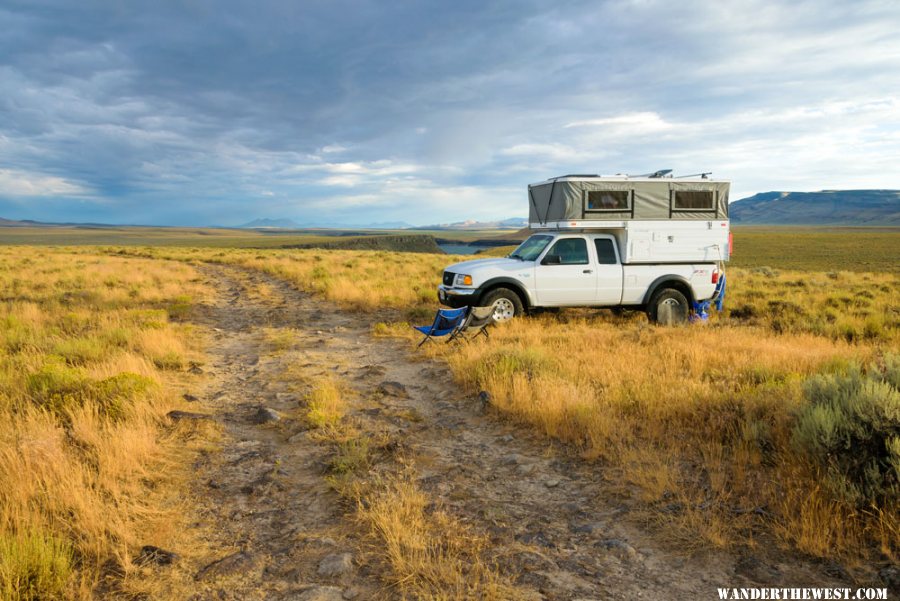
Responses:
[694,200]
[607,200]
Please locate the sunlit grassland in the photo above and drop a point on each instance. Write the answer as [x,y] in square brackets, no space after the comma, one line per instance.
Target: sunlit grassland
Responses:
[701,420]
[206,237]
[875,250]
[836,304]
[355,280]
[89,352]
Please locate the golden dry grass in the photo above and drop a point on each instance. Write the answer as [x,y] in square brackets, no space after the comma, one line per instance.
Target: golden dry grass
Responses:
[698,419]
[837,304]
[87,473]
[422,551]
[325,403]
[354,280]
[430,555]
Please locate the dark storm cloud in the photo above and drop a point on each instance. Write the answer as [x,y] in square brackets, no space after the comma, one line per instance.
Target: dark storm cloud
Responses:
[219,112]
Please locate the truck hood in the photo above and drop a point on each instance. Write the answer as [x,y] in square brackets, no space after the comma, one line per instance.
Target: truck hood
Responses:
[503,264]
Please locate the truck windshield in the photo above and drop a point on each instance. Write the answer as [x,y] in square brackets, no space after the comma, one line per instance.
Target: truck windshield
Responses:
[531,248]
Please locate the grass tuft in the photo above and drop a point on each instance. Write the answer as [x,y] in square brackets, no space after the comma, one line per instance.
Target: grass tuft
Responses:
[325,404]
[34,566]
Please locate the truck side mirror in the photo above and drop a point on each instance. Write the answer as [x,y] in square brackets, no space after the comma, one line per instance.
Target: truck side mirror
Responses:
[552,260]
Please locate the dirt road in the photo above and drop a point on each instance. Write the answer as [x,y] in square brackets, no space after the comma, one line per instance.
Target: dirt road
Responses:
[279,531]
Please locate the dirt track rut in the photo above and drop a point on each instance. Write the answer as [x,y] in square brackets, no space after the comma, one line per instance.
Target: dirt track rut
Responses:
[279,532]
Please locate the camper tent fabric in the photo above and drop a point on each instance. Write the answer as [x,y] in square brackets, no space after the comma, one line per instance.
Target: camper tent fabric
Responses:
[565,199]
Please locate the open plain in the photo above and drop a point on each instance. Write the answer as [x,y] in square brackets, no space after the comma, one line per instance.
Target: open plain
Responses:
[206,423]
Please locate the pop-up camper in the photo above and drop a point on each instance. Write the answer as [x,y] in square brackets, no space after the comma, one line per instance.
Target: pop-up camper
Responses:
[654,219]
[652,242]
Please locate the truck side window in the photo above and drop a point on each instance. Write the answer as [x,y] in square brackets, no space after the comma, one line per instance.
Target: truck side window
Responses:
[606,254]
[571,251]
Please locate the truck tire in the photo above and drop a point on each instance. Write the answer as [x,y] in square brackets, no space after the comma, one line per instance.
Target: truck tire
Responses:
[668,307]
[505,302]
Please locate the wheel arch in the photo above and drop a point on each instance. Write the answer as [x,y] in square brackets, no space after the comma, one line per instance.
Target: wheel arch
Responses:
[510,283]
[676,282]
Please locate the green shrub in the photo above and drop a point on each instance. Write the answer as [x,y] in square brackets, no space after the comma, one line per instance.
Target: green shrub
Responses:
[59,388]
[321,279]
[33,566]
[80,351]
[417,314]
[350,456]
[180,307]
[117,337]
[16,336]
[506,362]
[149,319]
[73,324]
[170,360]
[114,395]
[851,428]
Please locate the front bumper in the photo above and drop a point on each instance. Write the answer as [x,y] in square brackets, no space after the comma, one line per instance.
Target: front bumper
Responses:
[457,297]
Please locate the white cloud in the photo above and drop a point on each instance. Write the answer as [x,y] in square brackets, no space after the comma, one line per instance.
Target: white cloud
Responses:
[333,148]
[358,173]
[632,124]
[14,182]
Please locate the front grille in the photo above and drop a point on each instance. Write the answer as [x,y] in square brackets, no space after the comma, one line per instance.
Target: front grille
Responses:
[448,278]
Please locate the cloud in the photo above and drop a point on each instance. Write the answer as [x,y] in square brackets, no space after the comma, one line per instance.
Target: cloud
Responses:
[631,124]
[14,183]
[221,112]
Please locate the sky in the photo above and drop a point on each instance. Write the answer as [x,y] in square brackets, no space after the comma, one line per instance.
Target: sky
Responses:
[332,112]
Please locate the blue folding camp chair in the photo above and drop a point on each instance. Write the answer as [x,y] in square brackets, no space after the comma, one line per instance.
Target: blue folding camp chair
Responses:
[446,321]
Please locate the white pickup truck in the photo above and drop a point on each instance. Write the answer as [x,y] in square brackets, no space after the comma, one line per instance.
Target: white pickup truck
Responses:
[605,257]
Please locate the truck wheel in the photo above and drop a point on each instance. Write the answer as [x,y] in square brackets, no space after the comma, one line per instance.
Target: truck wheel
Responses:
[505,302]
[668,307]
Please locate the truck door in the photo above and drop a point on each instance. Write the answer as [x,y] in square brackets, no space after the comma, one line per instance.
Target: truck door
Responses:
[565,275]
[609,272]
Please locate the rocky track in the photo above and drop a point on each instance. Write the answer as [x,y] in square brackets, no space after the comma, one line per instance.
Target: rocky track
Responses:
[277,530]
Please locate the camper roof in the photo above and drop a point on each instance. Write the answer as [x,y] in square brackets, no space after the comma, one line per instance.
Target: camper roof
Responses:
[624,197]
[627,178]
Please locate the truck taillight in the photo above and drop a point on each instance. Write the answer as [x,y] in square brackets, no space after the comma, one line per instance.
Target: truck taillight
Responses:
[730,244]
[715,277]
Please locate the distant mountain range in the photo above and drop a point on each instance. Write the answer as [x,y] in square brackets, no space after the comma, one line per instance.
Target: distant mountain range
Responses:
[32,223]
[514,223]
[290,224]
[286,224]
[828,207]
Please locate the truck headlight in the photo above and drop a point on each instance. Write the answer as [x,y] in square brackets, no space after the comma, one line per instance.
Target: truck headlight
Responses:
[462,280]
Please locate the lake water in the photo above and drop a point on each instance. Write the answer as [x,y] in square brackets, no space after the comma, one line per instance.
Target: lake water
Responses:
[459,249]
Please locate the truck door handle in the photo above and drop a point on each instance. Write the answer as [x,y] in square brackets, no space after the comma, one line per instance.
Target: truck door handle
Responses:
[588,271]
